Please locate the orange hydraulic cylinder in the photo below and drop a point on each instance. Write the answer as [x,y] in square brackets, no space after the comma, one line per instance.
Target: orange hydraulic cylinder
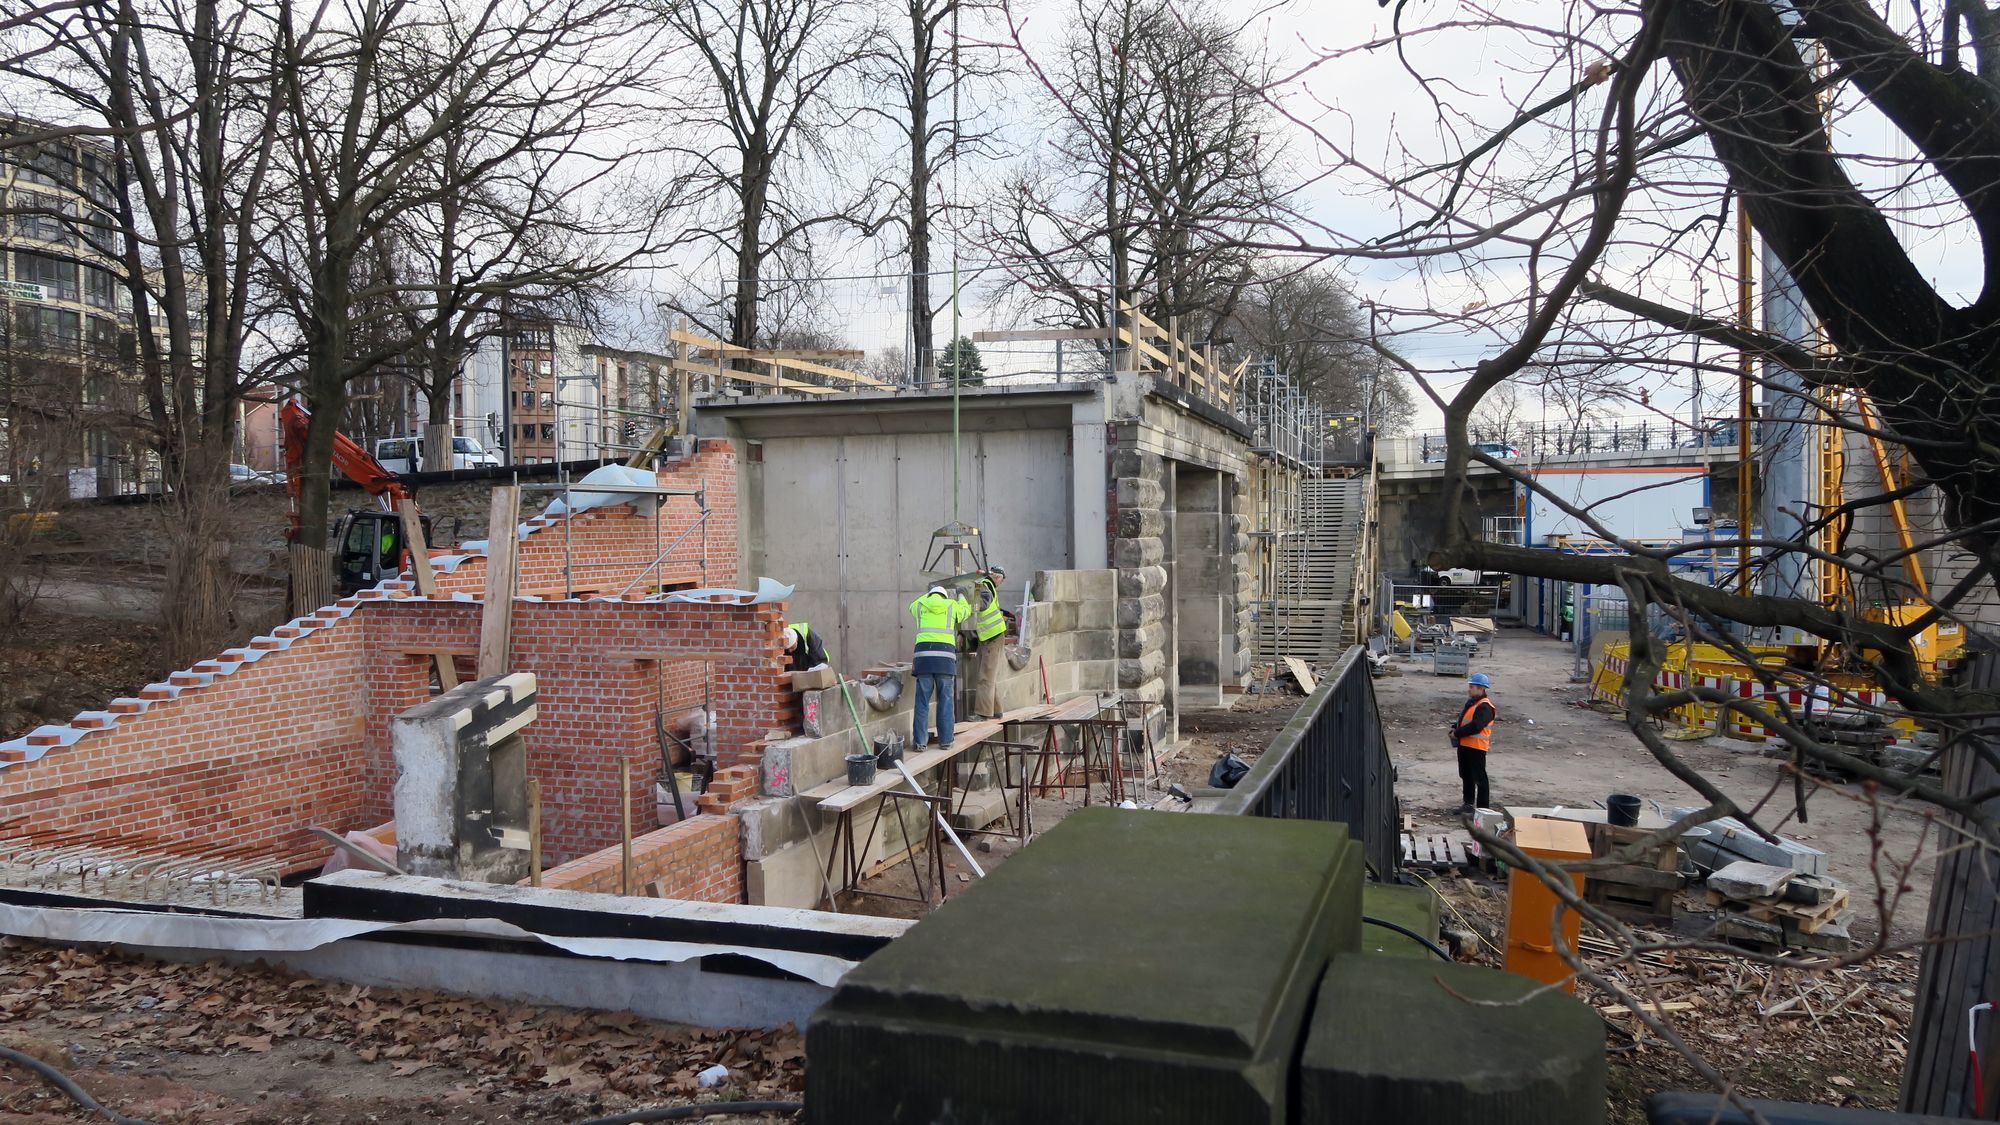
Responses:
[1533,924]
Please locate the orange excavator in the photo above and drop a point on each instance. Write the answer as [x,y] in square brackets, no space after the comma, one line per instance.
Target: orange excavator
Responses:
[367,543]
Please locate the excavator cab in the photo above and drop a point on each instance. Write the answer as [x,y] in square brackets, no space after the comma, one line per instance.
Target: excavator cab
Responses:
[368,548]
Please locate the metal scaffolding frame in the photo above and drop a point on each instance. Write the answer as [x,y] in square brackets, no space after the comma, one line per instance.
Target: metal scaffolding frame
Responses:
[1287,443]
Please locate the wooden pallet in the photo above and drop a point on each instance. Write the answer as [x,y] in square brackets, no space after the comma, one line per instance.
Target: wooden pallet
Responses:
[1440,852]
[1642,891]
[1803,917]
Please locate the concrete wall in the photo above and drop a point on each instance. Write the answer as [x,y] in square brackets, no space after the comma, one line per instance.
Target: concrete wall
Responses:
[848,521]
[840,498]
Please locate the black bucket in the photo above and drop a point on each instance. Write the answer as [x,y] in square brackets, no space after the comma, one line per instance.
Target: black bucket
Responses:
[1622,810]
[861,769]
[889,750]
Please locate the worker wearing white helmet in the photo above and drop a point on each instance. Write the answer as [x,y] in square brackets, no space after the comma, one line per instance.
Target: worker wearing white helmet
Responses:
[989,648]
[938,614]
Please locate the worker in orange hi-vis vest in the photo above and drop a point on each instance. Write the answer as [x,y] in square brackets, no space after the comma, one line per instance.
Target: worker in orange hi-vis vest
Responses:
[1472,735]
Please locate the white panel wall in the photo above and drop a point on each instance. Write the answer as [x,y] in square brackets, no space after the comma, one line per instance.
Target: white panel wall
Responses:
[1653,502]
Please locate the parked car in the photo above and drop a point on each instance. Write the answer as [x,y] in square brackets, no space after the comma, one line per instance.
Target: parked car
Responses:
[244,474]
[1500,450]
[406,454]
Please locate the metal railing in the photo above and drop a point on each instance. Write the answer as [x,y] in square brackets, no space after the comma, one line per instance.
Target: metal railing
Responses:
[1331,763]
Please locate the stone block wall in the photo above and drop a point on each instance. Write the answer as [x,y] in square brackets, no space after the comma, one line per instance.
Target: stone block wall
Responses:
[1139,554]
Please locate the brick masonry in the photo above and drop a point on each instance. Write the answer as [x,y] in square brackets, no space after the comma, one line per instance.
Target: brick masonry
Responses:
[248,749]
[699,859]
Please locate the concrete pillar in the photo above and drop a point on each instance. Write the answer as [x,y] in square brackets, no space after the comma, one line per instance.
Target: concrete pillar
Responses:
[461,795]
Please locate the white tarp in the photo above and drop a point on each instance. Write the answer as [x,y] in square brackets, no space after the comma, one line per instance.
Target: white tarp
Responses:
[603,476]
[294,935]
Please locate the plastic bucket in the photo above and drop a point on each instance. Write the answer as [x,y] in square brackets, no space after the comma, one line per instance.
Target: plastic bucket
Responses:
[889,750]
[861,769]
[1622,810]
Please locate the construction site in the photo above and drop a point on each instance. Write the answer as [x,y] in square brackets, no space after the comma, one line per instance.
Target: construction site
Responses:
[616,795]
[794,732]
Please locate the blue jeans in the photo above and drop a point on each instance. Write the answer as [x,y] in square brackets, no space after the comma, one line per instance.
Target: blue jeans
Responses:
[928,685]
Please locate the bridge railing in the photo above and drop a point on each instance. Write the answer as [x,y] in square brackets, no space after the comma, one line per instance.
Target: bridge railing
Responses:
[1331,762]
[1539,441]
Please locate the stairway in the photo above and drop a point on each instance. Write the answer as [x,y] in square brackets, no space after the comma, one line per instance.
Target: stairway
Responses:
[1316,568]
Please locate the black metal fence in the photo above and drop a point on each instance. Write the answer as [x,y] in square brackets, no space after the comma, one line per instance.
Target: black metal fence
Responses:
[1330,762]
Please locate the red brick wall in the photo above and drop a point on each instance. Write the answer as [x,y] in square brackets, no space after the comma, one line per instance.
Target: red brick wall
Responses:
[700,859]
[249,754]
[605,549]
[598,681]
[246,761]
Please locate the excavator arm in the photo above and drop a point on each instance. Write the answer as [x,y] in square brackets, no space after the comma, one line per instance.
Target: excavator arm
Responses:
[352,462]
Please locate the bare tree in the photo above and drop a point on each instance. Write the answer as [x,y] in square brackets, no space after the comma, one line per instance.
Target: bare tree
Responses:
[1306,323]
[185,89]
[762,114]
[1162,158]
[931,72]
[370,102]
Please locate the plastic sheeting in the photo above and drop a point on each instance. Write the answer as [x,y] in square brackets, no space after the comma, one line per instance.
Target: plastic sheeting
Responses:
[768,590]
[607,476]
[295,935]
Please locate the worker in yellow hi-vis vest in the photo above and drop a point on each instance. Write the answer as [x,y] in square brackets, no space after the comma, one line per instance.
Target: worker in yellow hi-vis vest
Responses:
[938,615]
[989,648]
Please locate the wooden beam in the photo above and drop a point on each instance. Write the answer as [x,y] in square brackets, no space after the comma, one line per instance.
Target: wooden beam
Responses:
[496,619]
[1039,335]
[420,568]
[625,813]
[721,371]
[777,357]
[534,832]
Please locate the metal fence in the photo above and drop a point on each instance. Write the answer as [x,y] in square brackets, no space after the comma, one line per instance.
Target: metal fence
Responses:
[1330,763]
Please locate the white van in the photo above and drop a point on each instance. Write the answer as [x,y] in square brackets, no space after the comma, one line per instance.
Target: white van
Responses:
[406,454]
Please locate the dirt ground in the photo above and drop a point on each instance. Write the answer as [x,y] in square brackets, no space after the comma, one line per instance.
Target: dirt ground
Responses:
[57,665]
[1551,749]
[209,1045]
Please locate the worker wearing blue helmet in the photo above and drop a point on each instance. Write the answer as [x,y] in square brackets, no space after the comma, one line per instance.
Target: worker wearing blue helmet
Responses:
[1472,737]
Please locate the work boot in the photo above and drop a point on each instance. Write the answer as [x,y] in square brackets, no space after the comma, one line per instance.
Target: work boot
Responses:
[1465,810]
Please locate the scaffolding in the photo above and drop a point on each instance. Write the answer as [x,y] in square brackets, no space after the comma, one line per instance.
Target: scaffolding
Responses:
[1287,445]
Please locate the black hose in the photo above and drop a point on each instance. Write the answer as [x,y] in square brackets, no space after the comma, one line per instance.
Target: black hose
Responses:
[703,1109]
[62,1082]
[1409,933]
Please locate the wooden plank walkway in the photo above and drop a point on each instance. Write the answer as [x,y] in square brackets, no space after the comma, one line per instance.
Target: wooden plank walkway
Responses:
[838,796]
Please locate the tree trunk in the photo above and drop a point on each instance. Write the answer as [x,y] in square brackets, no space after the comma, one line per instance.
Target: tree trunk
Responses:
[1961,967]
[199,610]
[437,427]
[749,252]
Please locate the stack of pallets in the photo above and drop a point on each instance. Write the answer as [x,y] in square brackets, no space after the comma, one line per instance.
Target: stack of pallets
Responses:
[1770,908]
[1641,890]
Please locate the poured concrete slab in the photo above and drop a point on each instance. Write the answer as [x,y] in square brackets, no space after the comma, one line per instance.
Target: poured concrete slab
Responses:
[1126,966]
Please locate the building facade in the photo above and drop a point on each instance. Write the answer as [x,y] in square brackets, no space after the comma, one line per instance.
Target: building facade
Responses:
[541,392]
[70,415]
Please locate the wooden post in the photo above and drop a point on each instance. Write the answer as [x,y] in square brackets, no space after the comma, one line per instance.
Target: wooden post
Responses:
[625,815]
[1961,965]
[420,569]
[534,832]
[497,618]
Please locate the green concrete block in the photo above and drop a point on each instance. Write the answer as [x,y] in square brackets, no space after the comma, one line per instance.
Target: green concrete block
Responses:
[1413,908]
[1125,967]
[1391,1042]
